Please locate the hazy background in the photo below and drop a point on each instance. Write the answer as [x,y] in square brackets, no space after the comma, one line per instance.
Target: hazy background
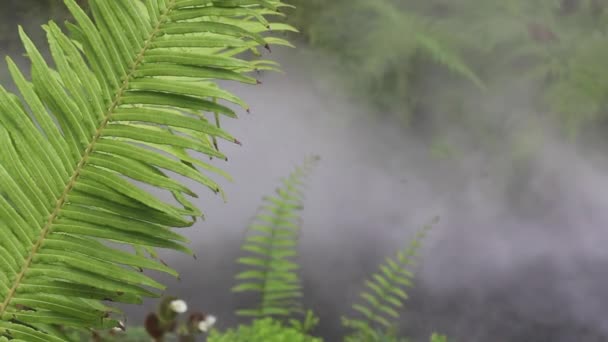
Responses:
[519,254]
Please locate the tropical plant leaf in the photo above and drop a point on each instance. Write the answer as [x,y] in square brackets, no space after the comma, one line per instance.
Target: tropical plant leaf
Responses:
[125,98]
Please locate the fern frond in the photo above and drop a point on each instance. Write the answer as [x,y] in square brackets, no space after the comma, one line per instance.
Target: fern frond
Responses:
[384,294]
[126,99]
[272,245]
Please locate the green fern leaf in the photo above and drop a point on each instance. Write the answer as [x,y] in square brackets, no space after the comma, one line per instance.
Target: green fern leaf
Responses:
[127,98]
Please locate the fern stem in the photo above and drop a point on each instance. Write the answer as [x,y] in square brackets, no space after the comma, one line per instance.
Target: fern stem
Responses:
[83,161]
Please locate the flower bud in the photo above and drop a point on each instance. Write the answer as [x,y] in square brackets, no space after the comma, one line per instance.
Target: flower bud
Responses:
[178,306]
[207,323]
[153,326]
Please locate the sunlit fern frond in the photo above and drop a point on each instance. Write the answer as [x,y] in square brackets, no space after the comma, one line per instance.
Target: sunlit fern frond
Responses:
[125,98]
[272,244]
[384,295]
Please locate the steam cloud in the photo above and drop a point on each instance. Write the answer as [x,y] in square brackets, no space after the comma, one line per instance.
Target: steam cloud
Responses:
[518,254]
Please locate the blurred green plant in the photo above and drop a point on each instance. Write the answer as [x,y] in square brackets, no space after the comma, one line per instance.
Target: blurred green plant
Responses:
[272,244]
[438,338]
[384,296]
[381,45]
[272,273]
[435,61]
[135,334]
[262,330]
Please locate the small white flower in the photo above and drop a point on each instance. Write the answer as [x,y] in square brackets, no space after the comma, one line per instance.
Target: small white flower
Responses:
[179,306]
[210,319]
[121,327]
[207,323]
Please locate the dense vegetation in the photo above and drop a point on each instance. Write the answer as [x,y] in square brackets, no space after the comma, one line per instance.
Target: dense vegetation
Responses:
[442,62]
[500,80]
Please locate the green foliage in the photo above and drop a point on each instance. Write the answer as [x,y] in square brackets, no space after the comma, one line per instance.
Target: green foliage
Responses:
[271,274]
[383,45]
[307,324]
[137,334]
[438,338]
[272,244]
[404,54]
[262,330]
[127,99]
[384,296]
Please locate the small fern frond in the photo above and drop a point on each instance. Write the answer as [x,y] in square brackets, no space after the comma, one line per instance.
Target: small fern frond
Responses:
[126,100]
[272,244]
[384,294]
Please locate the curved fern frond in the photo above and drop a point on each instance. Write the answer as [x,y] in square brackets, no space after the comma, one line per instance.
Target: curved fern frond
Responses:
[273,244]
[126,100]
[384,294]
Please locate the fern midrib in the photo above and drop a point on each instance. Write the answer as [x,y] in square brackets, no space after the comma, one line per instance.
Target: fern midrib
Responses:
[83,161]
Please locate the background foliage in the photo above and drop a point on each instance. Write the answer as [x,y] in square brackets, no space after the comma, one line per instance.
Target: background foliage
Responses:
[500,80]
[439,61]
